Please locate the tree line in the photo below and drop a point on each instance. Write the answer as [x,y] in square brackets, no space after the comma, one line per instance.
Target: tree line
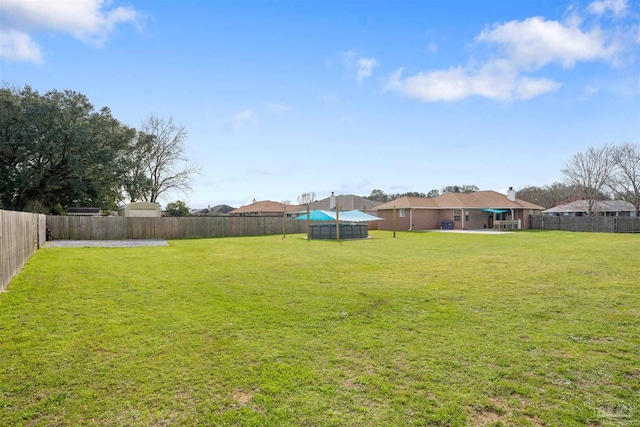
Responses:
[378,195]
[600,173]
[58,151]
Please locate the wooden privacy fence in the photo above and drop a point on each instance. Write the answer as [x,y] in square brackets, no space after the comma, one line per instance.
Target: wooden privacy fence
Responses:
[120,228]
[602,224]
[21,234]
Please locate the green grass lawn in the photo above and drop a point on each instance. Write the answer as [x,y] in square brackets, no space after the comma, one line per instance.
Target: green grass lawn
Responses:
[529,328]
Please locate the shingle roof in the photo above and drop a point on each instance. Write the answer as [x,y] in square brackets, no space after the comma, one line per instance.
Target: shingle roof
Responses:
[265,206]
[346,202]
[600,206]
[476,200]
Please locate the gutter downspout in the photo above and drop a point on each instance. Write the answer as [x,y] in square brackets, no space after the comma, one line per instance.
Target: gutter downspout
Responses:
[410,219]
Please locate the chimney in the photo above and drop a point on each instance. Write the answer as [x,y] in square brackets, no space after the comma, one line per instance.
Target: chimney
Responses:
[332,201]
[511,194]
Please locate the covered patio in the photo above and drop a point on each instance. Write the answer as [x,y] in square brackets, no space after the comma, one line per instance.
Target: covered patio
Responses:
[502,224]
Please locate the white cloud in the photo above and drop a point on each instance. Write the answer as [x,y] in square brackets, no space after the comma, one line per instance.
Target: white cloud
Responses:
[441,85]
[524,47]
[349,58]
[18,46]
[457,83]
[432,47]
[589,91]
[534,43]
[618,7]
[365,67]
[240,119]
[277,108]
[527,88]
[362,66]
[90,21]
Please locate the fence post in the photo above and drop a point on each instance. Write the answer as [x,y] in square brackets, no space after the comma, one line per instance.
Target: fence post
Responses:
[1,255]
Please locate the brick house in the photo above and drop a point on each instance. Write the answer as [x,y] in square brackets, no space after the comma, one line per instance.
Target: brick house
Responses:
[472,211]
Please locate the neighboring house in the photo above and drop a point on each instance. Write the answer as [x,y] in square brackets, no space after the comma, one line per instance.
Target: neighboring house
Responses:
[266,208]
[140,209]
[345,203]
[218,210]
[601,208]
[478,210]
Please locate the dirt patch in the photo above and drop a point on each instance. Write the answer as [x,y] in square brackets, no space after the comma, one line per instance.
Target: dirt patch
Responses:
[486,418]
[243,397]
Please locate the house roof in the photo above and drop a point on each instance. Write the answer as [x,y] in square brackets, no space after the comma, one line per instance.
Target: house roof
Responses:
[218,209]
[600,206]
[221,209]
[265,206]
[345,202]
[475,200]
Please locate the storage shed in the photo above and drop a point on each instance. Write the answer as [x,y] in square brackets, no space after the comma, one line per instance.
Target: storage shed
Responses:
[140,209]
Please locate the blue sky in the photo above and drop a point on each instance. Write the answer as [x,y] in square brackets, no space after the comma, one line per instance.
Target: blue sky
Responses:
[283,98]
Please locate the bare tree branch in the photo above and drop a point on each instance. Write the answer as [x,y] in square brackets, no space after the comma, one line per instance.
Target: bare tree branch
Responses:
[306,198]
[161,160]
[625,177]
[590,172]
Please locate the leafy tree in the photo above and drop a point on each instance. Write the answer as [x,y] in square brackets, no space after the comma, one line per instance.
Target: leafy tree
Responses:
[136,183]
[158,165]
[433,193]
[177,208]
[306,198]
[624,180]
[590,172]
[459,189]
[57,151]
[407,194]
[378,196]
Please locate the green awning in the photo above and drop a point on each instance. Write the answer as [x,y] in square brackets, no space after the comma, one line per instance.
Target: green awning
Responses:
[495,210]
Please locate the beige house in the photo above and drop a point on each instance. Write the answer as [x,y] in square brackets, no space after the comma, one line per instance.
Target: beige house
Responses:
[462,211]
[140,209]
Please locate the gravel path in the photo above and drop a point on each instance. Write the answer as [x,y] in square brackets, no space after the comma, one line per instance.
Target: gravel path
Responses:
[105,243]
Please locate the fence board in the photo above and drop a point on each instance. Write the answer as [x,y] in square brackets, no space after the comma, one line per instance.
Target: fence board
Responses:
[628,225]
[119,228]
[21,234]
[598,224]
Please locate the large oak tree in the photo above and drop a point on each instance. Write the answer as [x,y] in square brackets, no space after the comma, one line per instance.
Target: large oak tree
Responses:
[57,151]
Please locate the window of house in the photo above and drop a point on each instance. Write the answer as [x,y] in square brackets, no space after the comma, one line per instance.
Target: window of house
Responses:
[401,213]
[466,215]
[457,214]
